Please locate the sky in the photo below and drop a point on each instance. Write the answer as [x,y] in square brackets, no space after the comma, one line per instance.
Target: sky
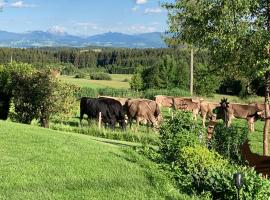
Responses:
[83,17]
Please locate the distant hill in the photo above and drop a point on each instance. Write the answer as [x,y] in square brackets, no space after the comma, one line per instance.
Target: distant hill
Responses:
[110,39]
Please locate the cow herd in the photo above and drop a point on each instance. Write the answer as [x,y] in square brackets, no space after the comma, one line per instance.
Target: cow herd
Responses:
[124,110]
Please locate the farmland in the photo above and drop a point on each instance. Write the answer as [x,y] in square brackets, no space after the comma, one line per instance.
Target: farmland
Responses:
[118,81]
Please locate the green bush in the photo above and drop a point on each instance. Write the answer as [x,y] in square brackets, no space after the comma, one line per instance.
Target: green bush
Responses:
[179,132]
[227,141]
[80,75]
[100,76]
[198,170]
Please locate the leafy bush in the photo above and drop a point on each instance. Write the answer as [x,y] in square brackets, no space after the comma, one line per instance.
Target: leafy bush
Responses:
[80,75]
[39,95]
[198,170]
[100,76]
[227,141]
[179,132]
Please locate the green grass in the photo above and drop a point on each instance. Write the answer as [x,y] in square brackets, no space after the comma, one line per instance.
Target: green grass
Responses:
[116,82]
[234,99]
[38,163]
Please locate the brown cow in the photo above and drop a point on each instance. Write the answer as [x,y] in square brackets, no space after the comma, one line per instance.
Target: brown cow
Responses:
[250,112]
[182,103]
[206,109]
[188,104]
[143,110]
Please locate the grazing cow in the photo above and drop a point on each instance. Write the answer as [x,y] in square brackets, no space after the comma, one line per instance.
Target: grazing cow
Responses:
[182,103]
[111,110]
[121,100]
[250,112]
[164,101]
[206,109]
[142,110]
[188,104]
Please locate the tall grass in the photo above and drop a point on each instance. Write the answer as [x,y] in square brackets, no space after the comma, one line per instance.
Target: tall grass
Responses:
[149,94]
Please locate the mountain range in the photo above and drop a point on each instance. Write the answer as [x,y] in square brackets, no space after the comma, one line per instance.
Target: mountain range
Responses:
[51,39]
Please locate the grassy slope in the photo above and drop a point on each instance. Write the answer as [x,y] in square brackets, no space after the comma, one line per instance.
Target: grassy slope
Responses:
[116,82]
[38,163]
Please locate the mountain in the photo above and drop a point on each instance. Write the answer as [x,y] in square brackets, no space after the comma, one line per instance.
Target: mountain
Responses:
[54,39]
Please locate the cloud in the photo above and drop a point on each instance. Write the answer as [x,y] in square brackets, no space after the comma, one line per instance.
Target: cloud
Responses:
[2,4]
[87,25]
[140,1]
[141,29]
[21,4]
[57,30]
[153,10]
[135,8]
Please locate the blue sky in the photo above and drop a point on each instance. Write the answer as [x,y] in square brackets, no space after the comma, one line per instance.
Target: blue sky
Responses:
[83,17]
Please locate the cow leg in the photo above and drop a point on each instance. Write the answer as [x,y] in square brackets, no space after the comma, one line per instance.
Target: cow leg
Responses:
[81,117]
[203,119]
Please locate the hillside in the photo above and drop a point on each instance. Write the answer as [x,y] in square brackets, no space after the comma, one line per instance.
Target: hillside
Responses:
[109,39]
[38,163]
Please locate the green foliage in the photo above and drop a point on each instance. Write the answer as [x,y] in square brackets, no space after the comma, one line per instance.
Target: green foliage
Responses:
[100,76]
[206,82]
[39,96]
[136,82]
[167,74]
[227,141]
[179,132]
[203,170]
[225,29]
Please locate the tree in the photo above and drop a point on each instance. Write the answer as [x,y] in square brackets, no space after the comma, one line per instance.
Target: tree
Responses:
[136,82]
[235,33]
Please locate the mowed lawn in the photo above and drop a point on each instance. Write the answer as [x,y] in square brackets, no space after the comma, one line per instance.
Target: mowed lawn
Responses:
[116,82]
[38,163]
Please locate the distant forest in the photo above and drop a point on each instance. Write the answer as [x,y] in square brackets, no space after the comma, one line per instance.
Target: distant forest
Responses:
[113,60]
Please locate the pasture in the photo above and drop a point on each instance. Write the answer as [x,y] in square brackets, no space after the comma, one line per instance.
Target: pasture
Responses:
[37,163]
[118,81]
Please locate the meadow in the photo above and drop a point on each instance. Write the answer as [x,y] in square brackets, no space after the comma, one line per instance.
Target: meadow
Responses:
[39,163]
[118,81]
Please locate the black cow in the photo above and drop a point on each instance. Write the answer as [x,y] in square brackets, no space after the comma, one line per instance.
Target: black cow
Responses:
[111,110]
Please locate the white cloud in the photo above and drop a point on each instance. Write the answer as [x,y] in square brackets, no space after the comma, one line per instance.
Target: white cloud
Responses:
[2,4]
[140,1]
[21,4]
[141,29]
[135,8]
[57,30]
[153,10]
[87,25]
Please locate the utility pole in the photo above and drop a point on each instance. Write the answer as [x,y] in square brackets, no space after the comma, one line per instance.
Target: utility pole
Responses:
[191,72]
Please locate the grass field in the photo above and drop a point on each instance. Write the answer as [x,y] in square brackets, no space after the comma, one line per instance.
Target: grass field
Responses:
[39,163]
[116,82]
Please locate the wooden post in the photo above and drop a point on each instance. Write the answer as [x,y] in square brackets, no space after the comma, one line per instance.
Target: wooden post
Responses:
[191,72]
[99,120]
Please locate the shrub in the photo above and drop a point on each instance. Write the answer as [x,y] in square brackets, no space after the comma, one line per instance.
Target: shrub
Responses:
[199,170]
[179,132]
[80,75]
[39,96]
[100,76]
[227,141]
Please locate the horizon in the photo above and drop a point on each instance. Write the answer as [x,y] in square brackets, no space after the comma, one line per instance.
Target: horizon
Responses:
[83,18]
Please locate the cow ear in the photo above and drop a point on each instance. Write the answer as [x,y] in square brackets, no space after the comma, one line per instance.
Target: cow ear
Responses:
[260,113]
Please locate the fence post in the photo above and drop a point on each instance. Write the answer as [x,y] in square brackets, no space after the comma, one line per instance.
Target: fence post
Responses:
[99,120]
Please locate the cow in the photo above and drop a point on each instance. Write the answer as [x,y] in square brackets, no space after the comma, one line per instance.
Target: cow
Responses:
[111,110]
[188,104]
[250,112]
[143,110]
[182,103]
[120,99]
[206,109]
